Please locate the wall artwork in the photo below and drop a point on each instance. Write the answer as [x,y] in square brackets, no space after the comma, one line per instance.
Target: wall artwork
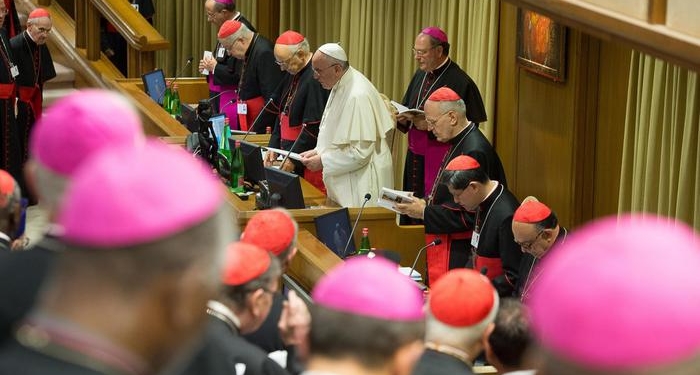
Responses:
[541,45]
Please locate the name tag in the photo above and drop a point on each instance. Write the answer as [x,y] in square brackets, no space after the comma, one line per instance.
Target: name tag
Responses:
[242,108]
[14,71]
[475,240]
[220,52]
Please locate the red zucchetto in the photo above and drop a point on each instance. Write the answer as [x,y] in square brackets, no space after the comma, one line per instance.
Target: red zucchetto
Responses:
[444,94]
[228,28]
[531,212]
[462,163]
[290,38]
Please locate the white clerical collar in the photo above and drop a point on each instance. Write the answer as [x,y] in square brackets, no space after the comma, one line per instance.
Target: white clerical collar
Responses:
[30,37]
[237,16]
[5,237]
[221,309]
[441,65]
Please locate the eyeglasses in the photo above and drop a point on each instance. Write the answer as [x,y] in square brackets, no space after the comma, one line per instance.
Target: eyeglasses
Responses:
[286,62]
[432,122]
[528,244]
[421,52]
[42,30]
[318,71]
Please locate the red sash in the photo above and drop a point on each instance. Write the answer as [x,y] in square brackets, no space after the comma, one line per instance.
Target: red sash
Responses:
[288,132]
[438,256]
[315,179]
[7,90]
[255,105]
[494,266]
[32,96]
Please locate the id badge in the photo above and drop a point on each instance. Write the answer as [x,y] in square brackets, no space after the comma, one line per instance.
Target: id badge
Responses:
[242,108]
[14,71]
[220,52]
[475,240]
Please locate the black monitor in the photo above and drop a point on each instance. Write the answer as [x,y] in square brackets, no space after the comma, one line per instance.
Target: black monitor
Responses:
[154,85]
[252,160]
[285,188]
[188,117]
[333,229]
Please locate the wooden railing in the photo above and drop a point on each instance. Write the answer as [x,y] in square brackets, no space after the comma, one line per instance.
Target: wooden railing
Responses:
[142,39]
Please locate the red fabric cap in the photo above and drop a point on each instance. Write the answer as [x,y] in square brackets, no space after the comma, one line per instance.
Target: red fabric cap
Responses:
[229,28]
[444,94]
[436,33]
[244,263]
[290,38]
[272,230]
[39,13]
[462,163]
[462,298]
[7,187]
[531,212]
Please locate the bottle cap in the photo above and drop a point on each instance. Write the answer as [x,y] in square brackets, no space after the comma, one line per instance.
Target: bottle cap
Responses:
[226,120]
[365,231]
[238,143]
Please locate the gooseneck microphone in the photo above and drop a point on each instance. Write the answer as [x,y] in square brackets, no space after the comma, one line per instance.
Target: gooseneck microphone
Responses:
[368,196]
[219,94]
[303,129]
[436,241]
[182,70]
[257,118]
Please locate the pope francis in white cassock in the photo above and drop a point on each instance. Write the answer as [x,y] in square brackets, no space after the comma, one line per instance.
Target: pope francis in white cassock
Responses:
[352,148]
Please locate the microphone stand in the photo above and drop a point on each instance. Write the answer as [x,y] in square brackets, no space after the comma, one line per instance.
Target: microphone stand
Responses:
[368,196]
[303,129]
[182,70]
[436,241]
[255,122]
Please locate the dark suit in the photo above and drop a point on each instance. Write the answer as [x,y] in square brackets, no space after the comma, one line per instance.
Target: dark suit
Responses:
[436,363]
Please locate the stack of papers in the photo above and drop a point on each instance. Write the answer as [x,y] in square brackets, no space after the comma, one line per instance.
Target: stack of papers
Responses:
[415,275]
[389,197]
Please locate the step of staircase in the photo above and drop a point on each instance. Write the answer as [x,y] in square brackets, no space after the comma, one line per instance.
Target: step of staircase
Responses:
[60,86]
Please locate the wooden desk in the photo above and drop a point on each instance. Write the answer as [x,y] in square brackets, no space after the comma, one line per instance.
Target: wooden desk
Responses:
[313,260]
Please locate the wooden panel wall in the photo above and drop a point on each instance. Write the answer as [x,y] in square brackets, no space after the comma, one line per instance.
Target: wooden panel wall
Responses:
[562,142]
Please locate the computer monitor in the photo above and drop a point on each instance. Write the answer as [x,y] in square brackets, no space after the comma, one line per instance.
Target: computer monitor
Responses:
[217,122]
[252,160]
[285,188]
[333,229]
[154,85]
[188,117]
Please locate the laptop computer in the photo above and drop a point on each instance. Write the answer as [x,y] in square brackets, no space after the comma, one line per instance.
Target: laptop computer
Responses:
[154,85]
[333,229]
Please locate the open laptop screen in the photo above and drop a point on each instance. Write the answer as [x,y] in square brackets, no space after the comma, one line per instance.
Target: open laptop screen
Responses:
[154,85]
[333,229]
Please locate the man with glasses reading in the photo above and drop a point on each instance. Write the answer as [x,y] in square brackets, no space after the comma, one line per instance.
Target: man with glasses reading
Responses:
[35,67]
[536,230]
[223,69]
[445,114]
[302,101]
[352,149]
[435,70]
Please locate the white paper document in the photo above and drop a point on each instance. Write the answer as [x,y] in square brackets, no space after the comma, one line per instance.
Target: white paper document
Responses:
[389,197]
[205,72]
[292,155]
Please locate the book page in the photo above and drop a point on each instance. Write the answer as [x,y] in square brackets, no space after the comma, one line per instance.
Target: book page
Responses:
[389,197]
[292,155]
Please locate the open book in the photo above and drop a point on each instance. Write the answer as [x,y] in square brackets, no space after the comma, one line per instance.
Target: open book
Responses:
[389,197]
[403,109]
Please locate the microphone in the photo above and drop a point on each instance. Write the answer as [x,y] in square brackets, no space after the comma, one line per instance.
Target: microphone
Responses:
[436,241]
[182,70]
[219,94]
[368,196]
[255,122]
[228,103]
[303,128]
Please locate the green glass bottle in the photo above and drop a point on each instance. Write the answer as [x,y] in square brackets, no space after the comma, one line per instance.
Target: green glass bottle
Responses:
[365,247]
[167,97]
[175,102]
[237,169]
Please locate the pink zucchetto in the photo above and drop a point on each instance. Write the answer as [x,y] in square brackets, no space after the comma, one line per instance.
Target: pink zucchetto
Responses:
[621,294]
[80,124]
[227,2]
[436,33]
[127,196]
[371,287]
